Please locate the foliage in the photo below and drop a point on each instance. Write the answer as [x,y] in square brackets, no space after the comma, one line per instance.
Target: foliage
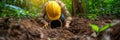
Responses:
[68,4]
[13,11]
[94,27]
[103,7]
[116,8]
[21,8]
[105,27]
[32,8]
[92,16]
[97,29]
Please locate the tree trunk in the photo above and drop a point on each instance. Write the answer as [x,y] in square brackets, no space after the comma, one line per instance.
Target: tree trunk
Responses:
[77,7]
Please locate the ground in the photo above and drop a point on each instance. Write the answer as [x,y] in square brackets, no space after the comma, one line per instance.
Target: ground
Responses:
[30,29]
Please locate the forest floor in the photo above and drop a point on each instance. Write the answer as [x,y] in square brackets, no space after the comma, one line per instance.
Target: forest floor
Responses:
[30,29]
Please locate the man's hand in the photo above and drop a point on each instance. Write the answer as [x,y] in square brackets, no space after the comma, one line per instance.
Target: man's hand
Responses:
[45,24]
[67,24]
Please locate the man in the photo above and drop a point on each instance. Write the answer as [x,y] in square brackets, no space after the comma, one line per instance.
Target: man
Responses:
[55,10]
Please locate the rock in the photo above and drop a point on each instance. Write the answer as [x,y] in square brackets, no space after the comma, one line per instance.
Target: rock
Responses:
[94,34]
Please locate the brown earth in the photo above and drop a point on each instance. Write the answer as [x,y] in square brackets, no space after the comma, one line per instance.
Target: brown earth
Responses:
[30,29]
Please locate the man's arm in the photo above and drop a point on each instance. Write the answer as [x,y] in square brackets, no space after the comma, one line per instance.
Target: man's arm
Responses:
[66,12]
[42,14]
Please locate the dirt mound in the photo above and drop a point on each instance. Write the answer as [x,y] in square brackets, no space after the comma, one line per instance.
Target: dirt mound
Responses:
[29,29]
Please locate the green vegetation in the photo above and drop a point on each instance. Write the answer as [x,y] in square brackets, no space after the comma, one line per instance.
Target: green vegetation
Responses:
[97,29]
[32,8]
[13,11]
[21,8]
[68,4]
[102,7]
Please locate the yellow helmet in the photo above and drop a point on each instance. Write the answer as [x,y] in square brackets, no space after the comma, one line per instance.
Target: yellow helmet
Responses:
[53,10]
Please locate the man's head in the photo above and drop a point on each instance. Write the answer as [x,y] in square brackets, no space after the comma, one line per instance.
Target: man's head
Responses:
[53,10]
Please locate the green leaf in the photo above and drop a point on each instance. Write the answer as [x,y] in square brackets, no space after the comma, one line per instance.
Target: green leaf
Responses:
[94,27]
[105,27]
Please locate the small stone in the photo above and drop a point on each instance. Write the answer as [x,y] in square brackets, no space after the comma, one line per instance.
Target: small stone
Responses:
[94,34]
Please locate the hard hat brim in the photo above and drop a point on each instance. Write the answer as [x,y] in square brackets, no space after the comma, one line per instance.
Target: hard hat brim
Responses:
[54,18]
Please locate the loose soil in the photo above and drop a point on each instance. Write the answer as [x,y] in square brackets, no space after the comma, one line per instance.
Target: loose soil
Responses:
[30,29]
